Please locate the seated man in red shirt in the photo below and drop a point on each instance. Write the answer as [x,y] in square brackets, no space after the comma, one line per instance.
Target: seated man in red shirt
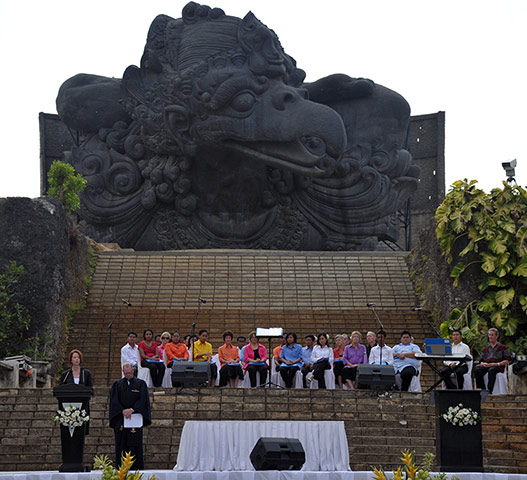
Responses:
[494,358]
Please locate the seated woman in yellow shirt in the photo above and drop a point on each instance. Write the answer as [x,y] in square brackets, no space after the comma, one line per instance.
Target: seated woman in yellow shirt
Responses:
[202,352]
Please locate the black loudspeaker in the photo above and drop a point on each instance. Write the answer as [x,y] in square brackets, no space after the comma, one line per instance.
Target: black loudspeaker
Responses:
[190,374]
[273,453]
[375,377]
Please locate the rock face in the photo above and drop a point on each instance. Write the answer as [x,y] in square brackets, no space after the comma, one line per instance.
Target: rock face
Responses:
[216,141]
[431,275]
[37,234]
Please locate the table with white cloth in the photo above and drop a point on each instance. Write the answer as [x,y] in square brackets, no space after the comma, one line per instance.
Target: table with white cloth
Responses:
[226,445]
[261,475]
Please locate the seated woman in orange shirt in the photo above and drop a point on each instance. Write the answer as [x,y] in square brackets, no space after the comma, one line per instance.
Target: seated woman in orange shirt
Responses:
[229,357]
[175,350]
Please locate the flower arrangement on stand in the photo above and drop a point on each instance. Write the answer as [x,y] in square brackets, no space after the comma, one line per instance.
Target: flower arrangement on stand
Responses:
[460,416]
[410,471]
[71,417]
[109,472]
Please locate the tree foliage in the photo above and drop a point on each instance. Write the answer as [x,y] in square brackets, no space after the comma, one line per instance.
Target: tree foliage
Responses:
[14,318]
[489,232]
[65,185]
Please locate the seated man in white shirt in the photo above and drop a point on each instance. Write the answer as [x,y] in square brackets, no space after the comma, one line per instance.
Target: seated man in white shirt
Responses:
[381,354]
[130,352]
[458,348]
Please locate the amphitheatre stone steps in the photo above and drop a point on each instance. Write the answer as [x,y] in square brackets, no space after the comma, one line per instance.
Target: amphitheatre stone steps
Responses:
[307,292]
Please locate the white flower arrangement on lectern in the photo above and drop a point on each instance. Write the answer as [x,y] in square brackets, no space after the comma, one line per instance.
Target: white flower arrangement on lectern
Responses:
[71,417]
[460,416]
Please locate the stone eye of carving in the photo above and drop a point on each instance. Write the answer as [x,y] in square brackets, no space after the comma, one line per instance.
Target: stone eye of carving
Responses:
[243,102]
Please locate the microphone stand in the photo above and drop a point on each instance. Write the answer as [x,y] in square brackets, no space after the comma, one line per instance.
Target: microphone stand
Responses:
[372,307]
[110,325]
[269,383]
[193,329]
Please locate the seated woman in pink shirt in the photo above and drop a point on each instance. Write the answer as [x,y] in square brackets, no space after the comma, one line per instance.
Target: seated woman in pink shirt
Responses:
[165,339]
[255,356]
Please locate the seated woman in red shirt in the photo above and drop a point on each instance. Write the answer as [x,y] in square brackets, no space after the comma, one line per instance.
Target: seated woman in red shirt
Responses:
[150,357]
[230,371]
[255,356]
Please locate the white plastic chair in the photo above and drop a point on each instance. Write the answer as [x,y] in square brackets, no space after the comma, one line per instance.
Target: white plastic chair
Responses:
[143,373]
[246,382]
[467,378]
[278,380]
[216,360]
[329,377]
[415,384]
[275,374]
[501,386]
[167,377]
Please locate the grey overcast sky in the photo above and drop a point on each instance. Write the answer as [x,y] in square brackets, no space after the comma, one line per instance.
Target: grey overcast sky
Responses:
[465,57]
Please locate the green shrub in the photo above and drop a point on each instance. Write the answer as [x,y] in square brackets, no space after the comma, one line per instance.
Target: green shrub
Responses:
[65,185]
[14,318]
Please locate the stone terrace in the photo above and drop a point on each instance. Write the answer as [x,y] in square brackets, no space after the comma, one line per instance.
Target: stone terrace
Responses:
[377,428]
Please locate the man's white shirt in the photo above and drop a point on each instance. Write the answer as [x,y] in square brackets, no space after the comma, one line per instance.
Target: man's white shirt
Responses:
[130,355]
[459,349]
[375,355]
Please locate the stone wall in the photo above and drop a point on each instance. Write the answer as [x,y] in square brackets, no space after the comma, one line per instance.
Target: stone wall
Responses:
[37,234]
[377,427]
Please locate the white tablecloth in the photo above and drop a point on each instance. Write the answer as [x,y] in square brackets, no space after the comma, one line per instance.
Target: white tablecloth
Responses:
[226,446]
[262,475]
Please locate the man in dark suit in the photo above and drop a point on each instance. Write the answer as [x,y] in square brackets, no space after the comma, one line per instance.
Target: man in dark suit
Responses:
[128,396]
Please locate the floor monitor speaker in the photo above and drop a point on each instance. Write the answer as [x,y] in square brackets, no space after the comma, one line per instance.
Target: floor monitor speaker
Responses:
[375,377]
[190,374]
[274,453]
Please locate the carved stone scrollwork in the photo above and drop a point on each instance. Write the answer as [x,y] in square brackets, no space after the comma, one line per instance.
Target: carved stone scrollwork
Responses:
[214,141]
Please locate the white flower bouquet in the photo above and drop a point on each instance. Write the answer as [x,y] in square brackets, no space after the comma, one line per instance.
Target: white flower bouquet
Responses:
[71,417]
[460,416]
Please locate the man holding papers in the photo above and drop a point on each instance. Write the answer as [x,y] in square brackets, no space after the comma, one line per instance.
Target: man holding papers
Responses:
[129,413]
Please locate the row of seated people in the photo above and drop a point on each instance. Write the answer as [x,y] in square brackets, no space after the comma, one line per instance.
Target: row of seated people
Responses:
[313,361]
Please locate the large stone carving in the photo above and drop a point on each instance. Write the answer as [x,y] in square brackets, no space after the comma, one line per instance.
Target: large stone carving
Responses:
[216,142]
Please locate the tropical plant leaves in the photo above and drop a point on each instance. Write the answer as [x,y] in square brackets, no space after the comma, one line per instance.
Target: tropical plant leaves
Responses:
[504,297]
[495,225]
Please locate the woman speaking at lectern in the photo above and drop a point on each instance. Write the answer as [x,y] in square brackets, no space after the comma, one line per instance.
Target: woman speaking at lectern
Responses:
[79,376]
[76,374]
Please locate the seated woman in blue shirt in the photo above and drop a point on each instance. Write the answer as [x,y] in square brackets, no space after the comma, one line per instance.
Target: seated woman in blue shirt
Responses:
[291,356]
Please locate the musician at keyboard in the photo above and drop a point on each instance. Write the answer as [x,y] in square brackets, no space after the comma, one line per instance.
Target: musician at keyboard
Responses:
[459,369]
